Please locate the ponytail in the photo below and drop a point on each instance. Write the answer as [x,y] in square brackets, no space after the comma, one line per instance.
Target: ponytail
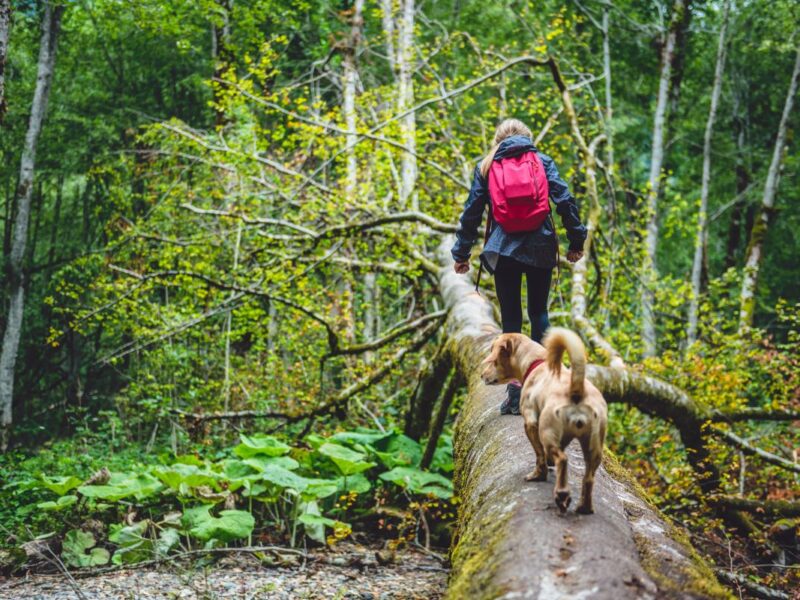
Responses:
[506,129]
[487,161]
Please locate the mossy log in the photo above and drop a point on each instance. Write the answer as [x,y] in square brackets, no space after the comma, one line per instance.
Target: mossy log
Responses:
[511,541]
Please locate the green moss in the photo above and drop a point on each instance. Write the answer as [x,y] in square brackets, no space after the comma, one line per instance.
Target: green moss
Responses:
[698,578]
[476,545]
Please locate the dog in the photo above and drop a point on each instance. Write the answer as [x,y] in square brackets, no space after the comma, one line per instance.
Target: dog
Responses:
[557,405]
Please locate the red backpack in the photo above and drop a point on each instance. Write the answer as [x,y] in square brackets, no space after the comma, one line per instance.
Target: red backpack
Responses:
[519,193]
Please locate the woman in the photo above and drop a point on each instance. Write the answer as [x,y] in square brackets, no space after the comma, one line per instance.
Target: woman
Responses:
[509,256]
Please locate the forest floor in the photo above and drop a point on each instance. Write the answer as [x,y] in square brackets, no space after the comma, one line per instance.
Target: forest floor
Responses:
[349,572]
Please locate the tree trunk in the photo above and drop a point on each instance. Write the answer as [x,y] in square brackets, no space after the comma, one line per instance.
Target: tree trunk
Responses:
[51,252]
[349,104]
[387,19]
[759,229]
[607,77]
[221,56]
[51,24]
[702,232]
[405,100]
[510,542]
[679,13]
[742,171]
[5,27]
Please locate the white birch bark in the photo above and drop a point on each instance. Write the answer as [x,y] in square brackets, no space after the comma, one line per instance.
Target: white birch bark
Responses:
[349,87]
[702,218]
[226,384]
[656,163]
[5,27]
[607,77]
[51,25]
[759,230]
[405,100]
[387,19]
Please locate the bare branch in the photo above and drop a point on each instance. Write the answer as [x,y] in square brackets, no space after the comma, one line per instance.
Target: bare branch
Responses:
[756,414]
[780,508]
[773,459]
[394,333]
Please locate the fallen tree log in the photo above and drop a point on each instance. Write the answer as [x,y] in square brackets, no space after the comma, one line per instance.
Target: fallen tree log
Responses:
[511,541]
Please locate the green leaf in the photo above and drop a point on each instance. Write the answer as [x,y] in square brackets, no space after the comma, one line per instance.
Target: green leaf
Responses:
[167,540]
[420,482]
[134,546]
[59,504]
[260,444]
[400,450]
[59,485]
[317,489]
[230,525]
[76,543]
[284,478]
[261,463]
[123,485]
[181,477]
[314,530]
[365,437]
[354,483]
[348,461]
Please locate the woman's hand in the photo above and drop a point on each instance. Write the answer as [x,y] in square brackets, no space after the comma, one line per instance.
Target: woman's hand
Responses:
[574,256]
[461,267]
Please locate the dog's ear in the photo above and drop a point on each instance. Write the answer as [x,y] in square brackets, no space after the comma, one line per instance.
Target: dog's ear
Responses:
[508,346]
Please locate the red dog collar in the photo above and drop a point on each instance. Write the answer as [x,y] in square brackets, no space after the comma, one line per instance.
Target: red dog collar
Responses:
[534,364]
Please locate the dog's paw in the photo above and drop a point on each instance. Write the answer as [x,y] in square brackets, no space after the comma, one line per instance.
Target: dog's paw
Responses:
[538,474]
[562,500]
[584,509]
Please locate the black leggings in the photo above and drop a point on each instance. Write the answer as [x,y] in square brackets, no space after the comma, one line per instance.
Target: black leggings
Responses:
[508,283]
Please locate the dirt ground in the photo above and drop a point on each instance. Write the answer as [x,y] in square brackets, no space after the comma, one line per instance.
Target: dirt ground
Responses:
[350,574]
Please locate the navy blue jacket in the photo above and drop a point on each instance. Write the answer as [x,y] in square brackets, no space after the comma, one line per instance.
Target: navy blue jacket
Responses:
[536,248]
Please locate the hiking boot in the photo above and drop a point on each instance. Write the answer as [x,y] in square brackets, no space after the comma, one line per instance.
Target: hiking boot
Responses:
[510,405]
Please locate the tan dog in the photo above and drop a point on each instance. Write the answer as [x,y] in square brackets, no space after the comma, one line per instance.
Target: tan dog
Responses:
[557,403]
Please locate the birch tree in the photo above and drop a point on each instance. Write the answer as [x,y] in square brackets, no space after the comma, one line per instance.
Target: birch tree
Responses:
[349,99]
[5,26]
[607,80]
[51,24]
[759,229]
[405,100]
[679,13]
[702,232]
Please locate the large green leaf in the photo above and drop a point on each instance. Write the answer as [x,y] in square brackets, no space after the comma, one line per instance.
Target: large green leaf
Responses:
[317,489]
[181,477]
[284,478]
[349,462]
[259,443]
[60,504]
[420,482]
[123,485]
[76,543]
[59,485]
[353,483]
[314,530]
[364,437]
[133,545]
[167,540]
[399,450]
[260,463]
[230,525]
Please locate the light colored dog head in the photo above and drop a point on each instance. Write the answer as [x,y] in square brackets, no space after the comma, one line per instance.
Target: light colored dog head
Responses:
[497,366]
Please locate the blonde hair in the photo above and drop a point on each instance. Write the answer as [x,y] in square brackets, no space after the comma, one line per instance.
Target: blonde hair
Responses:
[505,130]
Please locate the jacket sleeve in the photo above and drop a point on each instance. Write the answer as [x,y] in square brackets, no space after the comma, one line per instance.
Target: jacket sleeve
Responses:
[471,218]
[565,205]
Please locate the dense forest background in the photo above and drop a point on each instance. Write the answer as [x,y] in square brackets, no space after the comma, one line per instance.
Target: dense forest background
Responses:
[226,232]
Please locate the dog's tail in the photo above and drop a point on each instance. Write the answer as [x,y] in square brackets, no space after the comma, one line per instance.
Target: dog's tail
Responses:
[556,342]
